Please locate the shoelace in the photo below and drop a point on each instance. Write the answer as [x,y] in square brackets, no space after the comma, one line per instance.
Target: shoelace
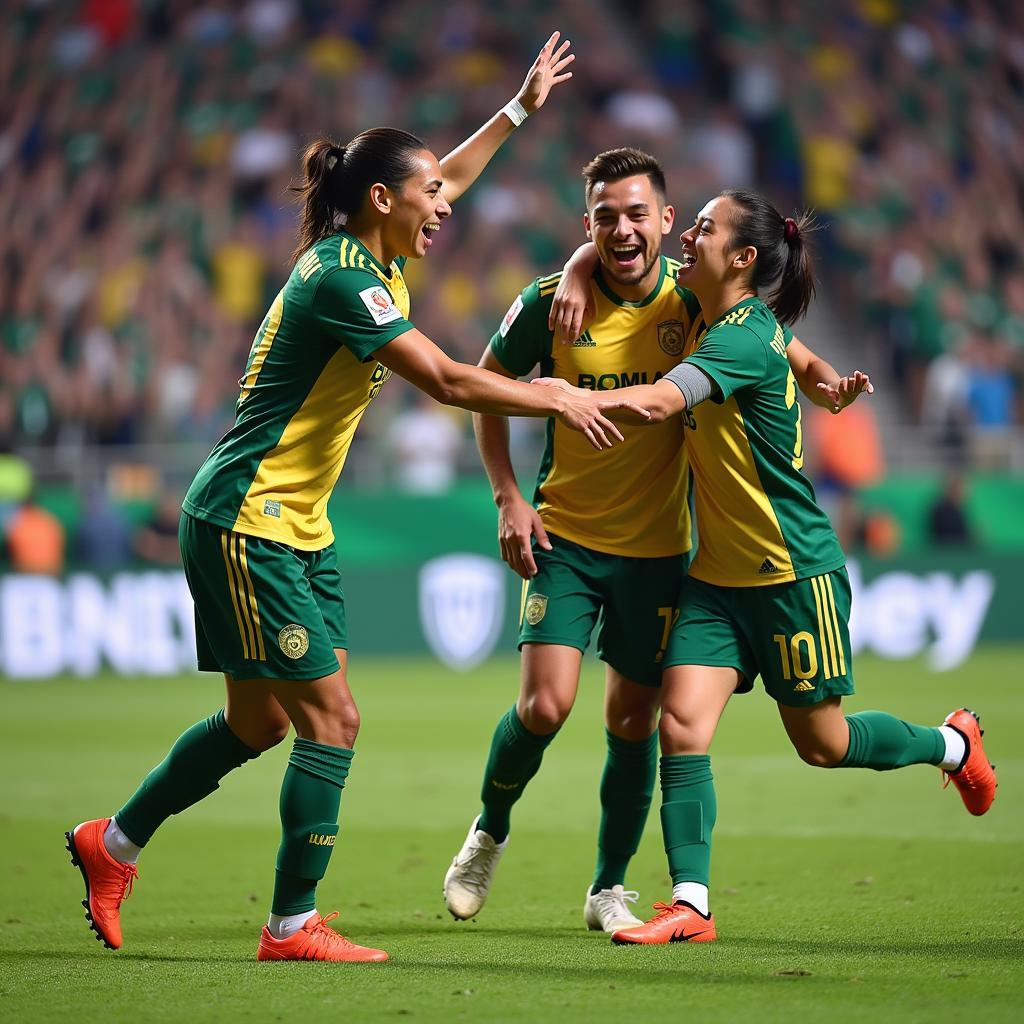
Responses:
[607,896]
[476,867]
[126,882]
[664,910]
[323,938]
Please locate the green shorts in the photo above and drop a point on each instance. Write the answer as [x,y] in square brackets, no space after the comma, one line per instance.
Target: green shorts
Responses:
[794,635]
[635,599]
[262,608]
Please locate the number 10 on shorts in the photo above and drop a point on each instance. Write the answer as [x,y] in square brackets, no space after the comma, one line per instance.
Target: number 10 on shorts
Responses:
[799,655]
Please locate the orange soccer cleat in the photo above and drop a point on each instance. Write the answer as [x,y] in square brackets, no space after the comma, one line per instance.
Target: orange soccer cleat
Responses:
[315,941]
[976,777]
[674,922]
[107,881]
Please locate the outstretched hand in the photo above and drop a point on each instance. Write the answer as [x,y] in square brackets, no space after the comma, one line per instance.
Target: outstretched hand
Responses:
[584,410]
[845,390]
[548,70]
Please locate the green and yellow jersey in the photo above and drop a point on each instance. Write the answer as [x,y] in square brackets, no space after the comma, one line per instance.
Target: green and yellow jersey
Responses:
[757,519]
[631,499]
[309,378]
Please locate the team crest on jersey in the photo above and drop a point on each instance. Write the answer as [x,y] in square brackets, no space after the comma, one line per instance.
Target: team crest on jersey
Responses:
[293,640]
[671,335]
[536,608]
[380,305]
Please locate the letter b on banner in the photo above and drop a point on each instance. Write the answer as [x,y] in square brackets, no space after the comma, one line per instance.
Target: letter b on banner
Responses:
[462,607]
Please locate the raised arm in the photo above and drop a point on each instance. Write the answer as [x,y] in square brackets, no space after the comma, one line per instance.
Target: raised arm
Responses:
[820,381]
[518,520]
[462,166]
[573,306]
[415,357]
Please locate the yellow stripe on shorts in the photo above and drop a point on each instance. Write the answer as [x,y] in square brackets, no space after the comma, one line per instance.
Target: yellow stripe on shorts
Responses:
[835,622]
[522,601]
[239,596]
[828,659]
[261,651]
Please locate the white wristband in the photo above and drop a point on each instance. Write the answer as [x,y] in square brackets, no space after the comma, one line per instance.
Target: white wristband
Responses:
[515,111]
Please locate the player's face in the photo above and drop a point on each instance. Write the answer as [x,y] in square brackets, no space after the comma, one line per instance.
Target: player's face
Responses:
[627,221]
[419,208]
[708,254]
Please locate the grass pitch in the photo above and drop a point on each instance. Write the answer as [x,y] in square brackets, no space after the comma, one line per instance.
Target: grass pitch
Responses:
[839,896]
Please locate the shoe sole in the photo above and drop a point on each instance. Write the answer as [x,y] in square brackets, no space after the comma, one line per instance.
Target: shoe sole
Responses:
[444,896]
[76,861]
[675,940]
[456,917]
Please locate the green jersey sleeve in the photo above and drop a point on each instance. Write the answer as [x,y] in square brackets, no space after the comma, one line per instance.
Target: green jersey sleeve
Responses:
[733,356]
[524,339]
[357,310]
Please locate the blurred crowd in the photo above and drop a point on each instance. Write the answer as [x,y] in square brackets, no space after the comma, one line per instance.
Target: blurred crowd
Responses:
[146,150]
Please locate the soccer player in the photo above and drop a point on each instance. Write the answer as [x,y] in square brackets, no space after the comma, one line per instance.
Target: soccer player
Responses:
[767,593]
[605,540]
[256,543]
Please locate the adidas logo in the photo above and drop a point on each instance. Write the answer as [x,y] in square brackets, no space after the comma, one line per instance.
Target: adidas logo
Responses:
[803,687]
[767,566]
[584,341]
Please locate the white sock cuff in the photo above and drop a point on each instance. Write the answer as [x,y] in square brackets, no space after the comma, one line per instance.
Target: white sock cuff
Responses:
[283,925]
[118,845]
[956,748]
[693,893]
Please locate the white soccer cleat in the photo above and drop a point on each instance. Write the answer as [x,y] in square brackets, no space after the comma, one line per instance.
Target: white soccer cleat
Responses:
[468,880]
[606,910]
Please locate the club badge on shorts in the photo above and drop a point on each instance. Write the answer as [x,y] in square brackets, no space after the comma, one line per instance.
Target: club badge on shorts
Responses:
[293,640]
[536,607]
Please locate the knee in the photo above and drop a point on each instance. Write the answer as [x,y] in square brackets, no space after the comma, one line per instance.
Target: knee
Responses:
[260,733]
[819,753]
[632,723]
[345,726]
[270,736]
[542,714]
[337,726]
[683,735]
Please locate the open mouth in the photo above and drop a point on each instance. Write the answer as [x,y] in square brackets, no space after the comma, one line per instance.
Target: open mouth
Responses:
[626,256]
[688,259]
[428,230]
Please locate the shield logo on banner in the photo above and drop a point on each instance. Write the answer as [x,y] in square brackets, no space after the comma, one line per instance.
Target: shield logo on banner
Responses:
[462,607]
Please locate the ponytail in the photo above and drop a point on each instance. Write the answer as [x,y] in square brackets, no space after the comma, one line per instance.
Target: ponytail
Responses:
[318,193]
[783,252]
[337,178]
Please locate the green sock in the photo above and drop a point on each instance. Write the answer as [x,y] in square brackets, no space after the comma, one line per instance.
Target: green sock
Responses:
[515,756]
[883,742]
[200,758]
[627,787]
[688,812]
[310,800]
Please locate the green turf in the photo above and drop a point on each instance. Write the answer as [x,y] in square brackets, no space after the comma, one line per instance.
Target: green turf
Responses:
[840,896]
